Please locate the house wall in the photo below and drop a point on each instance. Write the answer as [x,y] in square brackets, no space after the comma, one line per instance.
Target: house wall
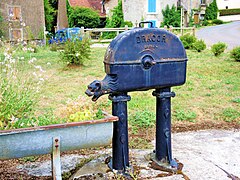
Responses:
[137,10]
[231,4]
[32,19]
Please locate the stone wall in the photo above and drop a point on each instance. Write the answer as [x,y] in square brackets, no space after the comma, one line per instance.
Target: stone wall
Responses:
[31,21]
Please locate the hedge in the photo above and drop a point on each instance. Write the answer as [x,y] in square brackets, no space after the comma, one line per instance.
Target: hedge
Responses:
[227,12]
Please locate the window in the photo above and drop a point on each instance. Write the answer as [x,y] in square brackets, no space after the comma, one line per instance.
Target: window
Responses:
[203,1]
[16,34]
[14,13]
[151,6]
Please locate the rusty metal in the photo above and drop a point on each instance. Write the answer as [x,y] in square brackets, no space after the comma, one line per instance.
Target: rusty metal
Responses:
[56,161]
[38,140]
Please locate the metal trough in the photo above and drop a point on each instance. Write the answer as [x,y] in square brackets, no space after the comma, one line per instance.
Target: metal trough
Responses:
[39,140]
[53,139]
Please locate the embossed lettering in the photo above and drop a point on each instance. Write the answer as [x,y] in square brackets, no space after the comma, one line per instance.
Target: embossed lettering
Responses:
[151,38]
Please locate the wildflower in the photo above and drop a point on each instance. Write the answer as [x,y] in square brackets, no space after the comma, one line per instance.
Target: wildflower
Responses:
[77,54]
[49,63]
[24,49]
[22,58]
[32,60]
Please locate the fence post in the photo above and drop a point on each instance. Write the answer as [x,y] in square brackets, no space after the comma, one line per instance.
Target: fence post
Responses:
[82,31]
[126,27]
[165,27]
[171,28]
[194,30]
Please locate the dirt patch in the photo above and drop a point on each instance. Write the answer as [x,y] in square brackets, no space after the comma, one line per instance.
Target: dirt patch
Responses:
[9,171]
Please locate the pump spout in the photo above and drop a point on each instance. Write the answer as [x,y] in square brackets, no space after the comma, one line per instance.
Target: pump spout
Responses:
[98,88]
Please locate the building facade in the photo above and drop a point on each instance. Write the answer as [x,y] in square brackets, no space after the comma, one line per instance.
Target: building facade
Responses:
[151,10]
[23,19]
[228,5]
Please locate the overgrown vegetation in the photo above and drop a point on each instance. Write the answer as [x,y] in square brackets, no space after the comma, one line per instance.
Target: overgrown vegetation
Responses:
[171,16]
[76,52]
[218,48]
[18,95]
[83,17]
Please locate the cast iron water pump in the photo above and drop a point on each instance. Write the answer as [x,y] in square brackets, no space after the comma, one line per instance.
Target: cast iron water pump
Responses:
[136,60]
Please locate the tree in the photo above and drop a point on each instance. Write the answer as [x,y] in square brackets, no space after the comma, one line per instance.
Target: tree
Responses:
[50,14]
[171,16]
[211,11]
[83,17]
[116,20]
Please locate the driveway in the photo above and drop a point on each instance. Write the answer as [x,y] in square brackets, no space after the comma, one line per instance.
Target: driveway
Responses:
[227,33]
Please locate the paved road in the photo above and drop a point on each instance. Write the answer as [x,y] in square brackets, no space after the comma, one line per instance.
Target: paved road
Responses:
[228,33]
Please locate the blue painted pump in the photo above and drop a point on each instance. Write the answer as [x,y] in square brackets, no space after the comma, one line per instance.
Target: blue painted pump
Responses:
[136,60]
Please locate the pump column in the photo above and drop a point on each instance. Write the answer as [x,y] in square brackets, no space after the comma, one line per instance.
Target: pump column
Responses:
[120,151]
[163,153]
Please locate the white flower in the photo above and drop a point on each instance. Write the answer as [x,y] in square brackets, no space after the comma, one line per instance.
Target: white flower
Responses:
[22,58]
[24,49]
[49,63]
[32,60]
[35,74]
[77,54]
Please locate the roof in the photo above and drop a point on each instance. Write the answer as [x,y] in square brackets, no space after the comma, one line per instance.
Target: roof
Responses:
[93,4]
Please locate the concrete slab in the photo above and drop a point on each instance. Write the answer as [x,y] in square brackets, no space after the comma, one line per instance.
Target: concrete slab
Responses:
[208,154]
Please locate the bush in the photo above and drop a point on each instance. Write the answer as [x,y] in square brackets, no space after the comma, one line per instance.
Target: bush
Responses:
[211,11]
[235,53]
[171,17]
[218,48]
[76,52]
[188,41]
[227,12]
[217,21]
[83,17]
[199,45]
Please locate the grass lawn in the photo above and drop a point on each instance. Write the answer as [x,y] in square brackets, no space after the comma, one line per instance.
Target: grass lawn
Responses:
[211,92]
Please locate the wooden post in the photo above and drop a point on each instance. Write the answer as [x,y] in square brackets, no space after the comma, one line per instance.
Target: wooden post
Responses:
[126,27]
[170,28]
[194,31]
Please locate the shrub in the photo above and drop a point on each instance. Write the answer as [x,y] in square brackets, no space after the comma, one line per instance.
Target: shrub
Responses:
[199,45]
[211,11]
[218,48]
[83,17]
[235,53]
[188,41]
[76,51]
[171,17]
[227,12]
[217,21]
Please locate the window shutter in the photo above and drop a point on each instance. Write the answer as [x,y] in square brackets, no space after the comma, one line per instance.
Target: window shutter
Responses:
[151,5]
